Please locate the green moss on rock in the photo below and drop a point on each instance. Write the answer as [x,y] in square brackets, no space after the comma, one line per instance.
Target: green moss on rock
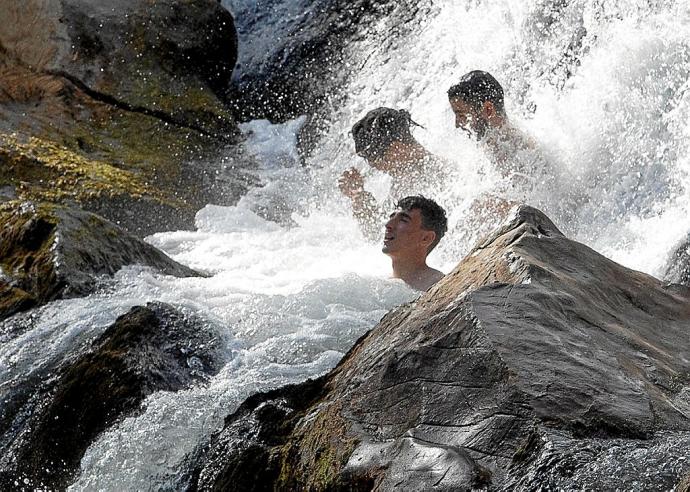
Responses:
[14,300]
[323,446]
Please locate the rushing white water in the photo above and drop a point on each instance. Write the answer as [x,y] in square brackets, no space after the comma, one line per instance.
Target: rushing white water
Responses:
[603,85]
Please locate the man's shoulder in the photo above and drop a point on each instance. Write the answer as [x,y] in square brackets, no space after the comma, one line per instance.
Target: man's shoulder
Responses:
[432,276]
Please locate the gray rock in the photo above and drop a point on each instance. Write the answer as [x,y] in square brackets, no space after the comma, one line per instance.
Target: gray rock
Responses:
[536,363]
[171,60]
[48,421]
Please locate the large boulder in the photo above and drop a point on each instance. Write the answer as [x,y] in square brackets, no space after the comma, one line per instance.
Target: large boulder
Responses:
[120,106]
[53,252]
[536,364]
[48,421]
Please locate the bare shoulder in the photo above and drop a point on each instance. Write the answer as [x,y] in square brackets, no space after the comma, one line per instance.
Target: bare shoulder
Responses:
[435,275]
[431,276]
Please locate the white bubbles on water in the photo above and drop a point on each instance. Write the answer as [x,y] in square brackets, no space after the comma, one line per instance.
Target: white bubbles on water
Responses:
[602,86]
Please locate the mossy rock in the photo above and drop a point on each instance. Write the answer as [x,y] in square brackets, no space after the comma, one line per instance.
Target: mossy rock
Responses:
[14,300]
[49,252]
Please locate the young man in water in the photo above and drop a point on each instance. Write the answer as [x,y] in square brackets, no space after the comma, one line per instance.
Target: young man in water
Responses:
[384,139]
[477,101]
[412,231]
[478,104]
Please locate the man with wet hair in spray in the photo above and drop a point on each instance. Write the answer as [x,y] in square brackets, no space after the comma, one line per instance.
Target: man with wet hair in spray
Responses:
[383,138]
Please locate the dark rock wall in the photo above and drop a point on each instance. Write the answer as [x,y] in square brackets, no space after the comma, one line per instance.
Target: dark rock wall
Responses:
[296,56]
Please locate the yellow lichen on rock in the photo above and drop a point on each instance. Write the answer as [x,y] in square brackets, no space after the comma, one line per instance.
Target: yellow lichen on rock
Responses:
[48,171]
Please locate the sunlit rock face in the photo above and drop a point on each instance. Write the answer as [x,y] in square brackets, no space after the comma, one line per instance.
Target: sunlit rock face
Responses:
[55,252]
[536,363]
[48,420]
[120,107]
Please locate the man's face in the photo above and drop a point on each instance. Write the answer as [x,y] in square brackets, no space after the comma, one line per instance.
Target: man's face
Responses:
[468,118]
[405,233]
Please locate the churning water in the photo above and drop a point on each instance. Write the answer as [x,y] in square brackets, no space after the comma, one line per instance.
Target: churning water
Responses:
[602,85]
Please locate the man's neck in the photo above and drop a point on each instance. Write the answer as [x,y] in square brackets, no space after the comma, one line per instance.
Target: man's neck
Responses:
[417,275]
[407,269]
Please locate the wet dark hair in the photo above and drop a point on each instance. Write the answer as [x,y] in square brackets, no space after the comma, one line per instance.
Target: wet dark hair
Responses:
[433,215]
[374,133]
[476,87]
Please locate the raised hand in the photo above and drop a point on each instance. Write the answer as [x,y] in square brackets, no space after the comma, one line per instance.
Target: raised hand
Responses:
[351,183]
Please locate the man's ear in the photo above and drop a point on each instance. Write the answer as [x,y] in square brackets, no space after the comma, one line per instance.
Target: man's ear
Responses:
[428,238]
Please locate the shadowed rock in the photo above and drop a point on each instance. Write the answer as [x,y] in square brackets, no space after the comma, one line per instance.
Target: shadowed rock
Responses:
[536,363]
[49,420]
[48,253]
[297,55]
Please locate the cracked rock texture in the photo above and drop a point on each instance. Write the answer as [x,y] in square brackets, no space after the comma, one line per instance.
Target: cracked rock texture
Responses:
[55,252]
[48,420]
[120,106]
[537,363]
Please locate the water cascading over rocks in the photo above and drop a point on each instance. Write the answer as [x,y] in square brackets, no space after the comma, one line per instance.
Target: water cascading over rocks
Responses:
[49,420]
[601,83]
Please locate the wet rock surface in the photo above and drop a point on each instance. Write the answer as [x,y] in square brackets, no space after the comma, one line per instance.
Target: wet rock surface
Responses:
[53,252]
[120,105]
[49,420]
[296,54]
[678,266]
[536,363]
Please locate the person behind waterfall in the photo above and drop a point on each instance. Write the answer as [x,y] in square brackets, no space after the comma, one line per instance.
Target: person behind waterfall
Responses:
[383,138]
[477,101]
[413,230]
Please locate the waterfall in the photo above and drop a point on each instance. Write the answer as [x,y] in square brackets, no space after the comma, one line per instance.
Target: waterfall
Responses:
[602,85]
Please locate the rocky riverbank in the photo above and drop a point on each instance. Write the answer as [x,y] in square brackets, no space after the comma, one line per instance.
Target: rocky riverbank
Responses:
[536,364]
